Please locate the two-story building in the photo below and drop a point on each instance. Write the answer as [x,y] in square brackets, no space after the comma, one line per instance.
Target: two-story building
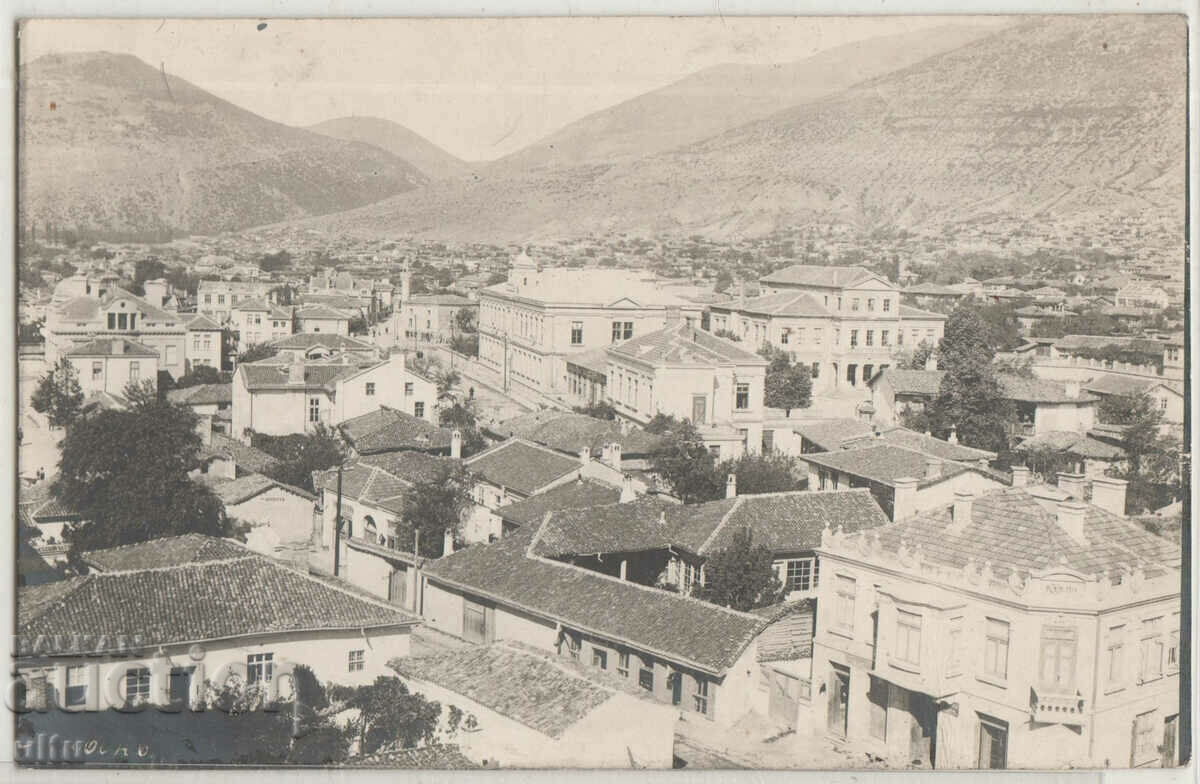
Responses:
[432,318]
[217,298]
[108,365]
[532,324]
[258,321]
[688,373]
[281,396]
[1006,630]
[323,319]
[845,323]
[203,346]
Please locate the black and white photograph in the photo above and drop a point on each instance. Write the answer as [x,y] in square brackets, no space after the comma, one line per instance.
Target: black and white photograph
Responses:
[804,393]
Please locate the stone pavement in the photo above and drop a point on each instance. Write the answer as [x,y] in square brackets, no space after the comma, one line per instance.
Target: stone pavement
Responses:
[756,741]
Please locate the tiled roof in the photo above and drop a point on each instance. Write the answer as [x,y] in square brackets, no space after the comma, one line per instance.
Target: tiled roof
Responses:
[389,430]
[933,290]
[789,304]
[1107,384]
[595,360]
[885,464]
[1071,342]
[674,627]
[410,466]
[245,457]
[212,600]
[912,382]
[313,312]
[440,299]
[436,757]
[270,375]
[830,433]
[262,306]
[307,340]
[571,432]
[1038,390]
[685,344]
[103,347]
[521,466]
[202,323]
[202,394]
[246,487]
[909,312]
[580,494]
[383,479]
[167,551]
[911,439]
[812,275]
[1082,445]
[1012,531]
[521,686]
[786,522]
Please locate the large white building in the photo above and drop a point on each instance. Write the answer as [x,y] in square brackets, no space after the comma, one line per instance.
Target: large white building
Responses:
[530,325]
[845,323]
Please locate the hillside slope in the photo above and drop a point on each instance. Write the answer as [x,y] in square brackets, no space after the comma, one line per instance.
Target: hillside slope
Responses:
[1057,120]
[111,146]
[431,160]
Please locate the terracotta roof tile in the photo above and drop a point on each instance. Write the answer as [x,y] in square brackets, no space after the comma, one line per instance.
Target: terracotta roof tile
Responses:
[521,466]
[580,494]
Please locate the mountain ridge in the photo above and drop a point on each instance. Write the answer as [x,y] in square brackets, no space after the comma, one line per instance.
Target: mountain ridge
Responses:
[405,143]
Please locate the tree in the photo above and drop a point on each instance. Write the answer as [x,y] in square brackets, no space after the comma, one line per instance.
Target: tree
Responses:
[299,455]
[728,335]
[464,320]
[256,351]
[461,417]
[684,462]
[446,380]
[126,473]
[283,295]
[144,270]
[272,262]
[358,326]
[201,374]
[141,394]
[917,358]
[788,385]
[970,398]
[58,394]
[31,332]
[389,714]
[1151,459]
[467,345]
[769,473]
[495,278]
[741,575]
[436,505]
[600,410]
[724,280]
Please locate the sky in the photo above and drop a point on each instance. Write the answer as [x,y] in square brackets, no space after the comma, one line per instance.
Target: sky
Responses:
[479,88]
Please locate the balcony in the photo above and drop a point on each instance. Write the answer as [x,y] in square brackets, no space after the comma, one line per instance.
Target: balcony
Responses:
[1050,708]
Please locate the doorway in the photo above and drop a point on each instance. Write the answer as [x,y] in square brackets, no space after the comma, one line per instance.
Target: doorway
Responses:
[180,686]
[839,697]
[1170,741]
[785,697]
[676,688]
[993,743]
[398,587]
[923,737]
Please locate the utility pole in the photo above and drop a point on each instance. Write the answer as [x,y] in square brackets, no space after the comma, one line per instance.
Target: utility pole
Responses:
[337,526]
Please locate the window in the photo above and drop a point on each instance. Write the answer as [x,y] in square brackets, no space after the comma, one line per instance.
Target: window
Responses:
[623,663]
[628,330]
[844,609]
[356,661]
[854,304]
[1173,647]
[1115,670]
[701,697]
[616,331]
[576,333]
[839,303]
[954,644]
[887,305]
[646,675]
[899,337]
[1058,658]
[135,371]
[995,649]
[97,370]
[817,337]
[871,304]
[1152,650]
[783,338]
[76,691]
[1143,737]
[137,685]
[112,320]
[419,410]
[800,336]
[600,658]
[408,388]
[260,667]
[743,397]
[220,299]
[815,370]
[1162,404]
[853,338]
[800,575]
[885,338]
[208,299]
[908,637]
[870,337]
[370,389]
[314,409]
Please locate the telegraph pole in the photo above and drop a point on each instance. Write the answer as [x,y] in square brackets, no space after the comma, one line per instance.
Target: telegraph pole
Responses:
[337,526]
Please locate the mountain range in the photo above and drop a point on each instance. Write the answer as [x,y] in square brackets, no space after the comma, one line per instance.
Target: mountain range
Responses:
[113,146]
[1068,120]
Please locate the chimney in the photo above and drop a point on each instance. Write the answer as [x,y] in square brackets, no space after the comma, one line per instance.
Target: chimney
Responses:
[627,493]
[585,455]
[1071,515]
[731,485]
[933,467]
[448,542]
[456,444]
[118,346]
[1109,494]
[614,455]
[962,509]
[1071,388]
[904,498]
[1020,476]
[1075,484]
[296,373]
[953,439]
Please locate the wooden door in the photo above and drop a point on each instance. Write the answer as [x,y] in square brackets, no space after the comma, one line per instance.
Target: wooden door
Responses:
[1170,734]
[785,693]
[993,745]
[398,587]
[477,622]
[839,696]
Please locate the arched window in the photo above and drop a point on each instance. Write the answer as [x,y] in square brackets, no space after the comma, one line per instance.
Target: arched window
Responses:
[371,532]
